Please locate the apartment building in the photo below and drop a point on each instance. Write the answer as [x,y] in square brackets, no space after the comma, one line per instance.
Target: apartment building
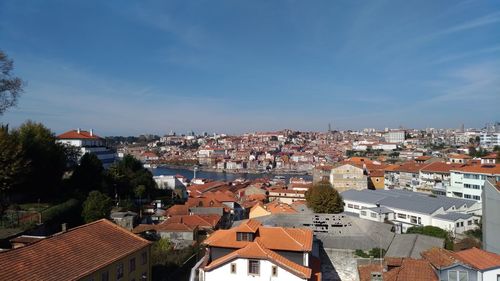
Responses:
[468,181]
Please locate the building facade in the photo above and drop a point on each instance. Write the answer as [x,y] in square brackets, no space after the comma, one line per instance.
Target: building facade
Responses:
[88,142]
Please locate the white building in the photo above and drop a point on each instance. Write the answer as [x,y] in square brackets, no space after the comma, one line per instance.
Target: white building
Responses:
[397,136]
[88,142]
[468,181]
[407,209]
[251,251]
[489,139]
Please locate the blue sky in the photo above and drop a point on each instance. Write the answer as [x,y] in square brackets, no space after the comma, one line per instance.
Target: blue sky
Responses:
[131,67]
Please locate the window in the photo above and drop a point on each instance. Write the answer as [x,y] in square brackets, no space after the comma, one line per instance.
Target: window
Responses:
[349,206]
[144,258]
[253,267]
[233,268]
[468,196]
[469,223]
[476,197]
[132,265]
[458,224]
[419,220]
[356,207]
[274,271]
[461,223]
[498,277]
[105,276]
[119,271]
[243,236]
[402,216]
[413,219]
[373,215]
[458,275]
[363,213]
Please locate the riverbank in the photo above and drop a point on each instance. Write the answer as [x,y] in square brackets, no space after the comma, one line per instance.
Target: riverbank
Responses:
[189,173]
[243,171]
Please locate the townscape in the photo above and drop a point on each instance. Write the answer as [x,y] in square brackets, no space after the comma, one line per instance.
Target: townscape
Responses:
[249,140]
[376,203]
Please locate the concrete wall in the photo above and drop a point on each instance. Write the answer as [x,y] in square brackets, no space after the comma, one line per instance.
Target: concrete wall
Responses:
[491,218]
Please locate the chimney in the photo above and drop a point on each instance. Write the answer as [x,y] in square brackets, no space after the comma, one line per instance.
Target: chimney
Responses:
[63,227]
[91,132]
[78,130]
[376,276]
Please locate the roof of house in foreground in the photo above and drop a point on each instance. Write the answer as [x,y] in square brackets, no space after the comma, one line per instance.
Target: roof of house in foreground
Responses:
[70,255]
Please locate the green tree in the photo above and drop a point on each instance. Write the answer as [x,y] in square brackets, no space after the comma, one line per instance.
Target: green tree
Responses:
[129,173]
[89,175]
[97,206]
[11,87]
[12,165]
[47,159]
[323,198]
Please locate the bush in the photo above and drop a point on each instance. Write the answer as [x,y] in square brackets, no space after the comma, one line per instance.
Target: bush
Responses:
[434,231]
[61,211]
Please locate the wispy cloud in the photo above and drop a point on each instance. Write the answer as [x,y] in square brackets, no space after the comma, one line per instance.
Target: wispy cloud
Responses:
[475,23]
[455,57]
[473,83]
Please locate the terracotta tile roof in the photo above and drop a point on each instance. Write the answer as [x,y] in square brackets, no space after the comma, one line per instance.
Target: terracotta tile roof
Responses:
[26,239]
[277,207]
[478,258]
[365,271]
[73,134]
[439,257]
[143,228]
[290,239]
[490,169]
[412,270]
[249,226]
[173,227]
[459,156]
[423,158]
[490,156]
[376,173]
[202,221]
[71,255]
[177,210]
[256,250]
[440,167]
[392,261]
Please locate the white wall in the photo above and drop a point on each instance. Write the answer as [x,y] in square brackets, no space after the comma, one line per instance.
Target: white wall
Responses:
[224,272]
[491,274]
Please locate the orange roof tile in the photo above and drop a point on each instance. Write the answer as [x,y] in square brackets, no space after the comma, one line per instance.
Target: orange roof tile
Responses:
[73,134]
[478,258]
[439,257]
[256,250]
[412,270]
[173,227]
[71,255]
[291,239]
[440,167]
[490,169]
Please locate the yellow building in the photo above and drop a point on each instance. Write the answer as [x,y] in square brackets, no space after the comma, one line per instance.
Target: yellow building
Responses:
[98,251]
[376,179]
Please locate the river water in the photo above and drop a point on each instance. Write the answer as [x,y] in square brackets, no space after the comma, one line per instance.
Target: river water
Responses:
[219,176]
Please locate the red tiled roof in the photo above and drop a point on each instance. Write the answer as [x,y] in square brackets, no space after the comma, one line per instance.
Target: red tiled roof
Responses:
[71,255]
[256,250]
[173,227]
[490,169]
[478,258]
[439,257]
[291,239]
[440,167]
[73,134]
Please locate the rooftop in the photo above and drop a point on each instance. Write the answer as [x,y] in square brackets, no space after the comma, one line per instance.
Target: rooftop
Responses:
[72,254]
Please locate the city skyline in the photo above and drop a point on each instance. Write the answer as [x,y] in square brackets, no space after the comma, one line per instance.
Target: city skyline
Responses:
[243,67]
